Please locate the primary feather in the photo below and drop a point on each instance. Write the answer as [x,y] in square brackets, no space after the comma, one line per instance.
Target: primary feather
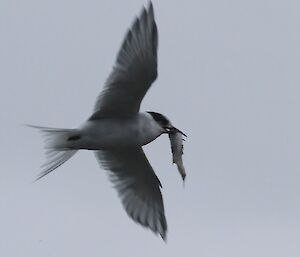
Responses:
[134,71]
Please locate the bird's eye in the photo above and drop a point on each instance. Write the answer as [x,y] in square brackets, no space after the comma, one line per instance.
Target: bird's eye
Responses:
[168,129]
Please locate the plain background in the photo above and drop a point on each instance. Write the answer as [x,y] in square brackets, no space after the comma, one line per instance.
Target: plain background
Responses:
[228,77]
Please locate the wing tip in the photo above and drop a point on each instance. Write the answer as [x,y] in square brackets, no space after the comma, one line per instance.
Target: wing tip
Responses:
[150,8]
[164,237]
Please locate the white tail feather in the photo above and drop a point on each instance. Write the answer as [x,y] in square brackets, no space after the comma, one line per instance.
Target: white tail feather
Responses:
[57,148]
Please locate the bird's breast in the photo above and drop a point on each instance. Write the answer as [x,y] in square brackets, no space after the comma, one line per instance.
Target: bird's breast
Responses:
[117,133]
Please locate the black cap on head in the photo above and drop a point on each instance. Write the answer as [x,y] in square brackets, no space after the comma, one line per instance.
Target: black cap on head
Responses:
[160,119]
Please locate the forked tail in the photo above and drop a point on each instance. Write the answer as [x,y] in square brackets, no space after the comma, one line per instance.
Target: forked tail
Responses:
[57,146]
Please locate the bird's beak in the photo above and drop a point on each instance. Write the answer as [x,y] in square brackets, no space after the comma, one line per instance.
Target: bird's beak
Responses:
[174,130]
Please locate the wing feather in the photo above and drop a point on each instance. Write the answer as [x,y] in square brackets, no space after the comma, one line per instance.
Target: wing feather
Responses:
[134,71]
[137,186]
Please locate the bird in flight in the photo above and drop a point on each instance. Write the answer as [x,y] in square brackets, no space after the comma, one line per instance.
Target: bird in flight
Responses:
[117,130]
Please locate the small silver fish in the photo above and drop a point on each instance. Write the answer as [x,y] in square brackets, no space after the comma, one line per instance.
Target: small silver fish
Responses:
[176,140]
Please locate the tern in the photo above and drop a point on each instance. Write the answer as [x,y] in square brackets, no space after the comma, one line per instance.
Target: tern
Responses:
[117,130]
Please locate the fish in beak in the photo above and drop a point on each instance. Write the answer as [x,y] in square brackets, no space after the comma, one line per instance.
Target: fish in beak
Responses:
[176,140]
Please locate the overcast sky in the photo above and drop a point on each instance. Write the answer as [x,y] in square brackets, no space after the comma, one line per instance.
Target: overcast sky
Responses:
[228,77]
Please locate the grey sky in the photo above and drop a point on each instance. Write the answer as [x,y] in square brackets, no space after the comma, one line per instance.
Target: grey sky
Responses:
[228,77]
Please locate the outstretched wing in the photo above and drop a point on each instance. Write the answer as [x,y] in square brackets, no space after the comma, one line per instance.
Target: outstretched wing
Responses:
[134,71]
[137,186]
